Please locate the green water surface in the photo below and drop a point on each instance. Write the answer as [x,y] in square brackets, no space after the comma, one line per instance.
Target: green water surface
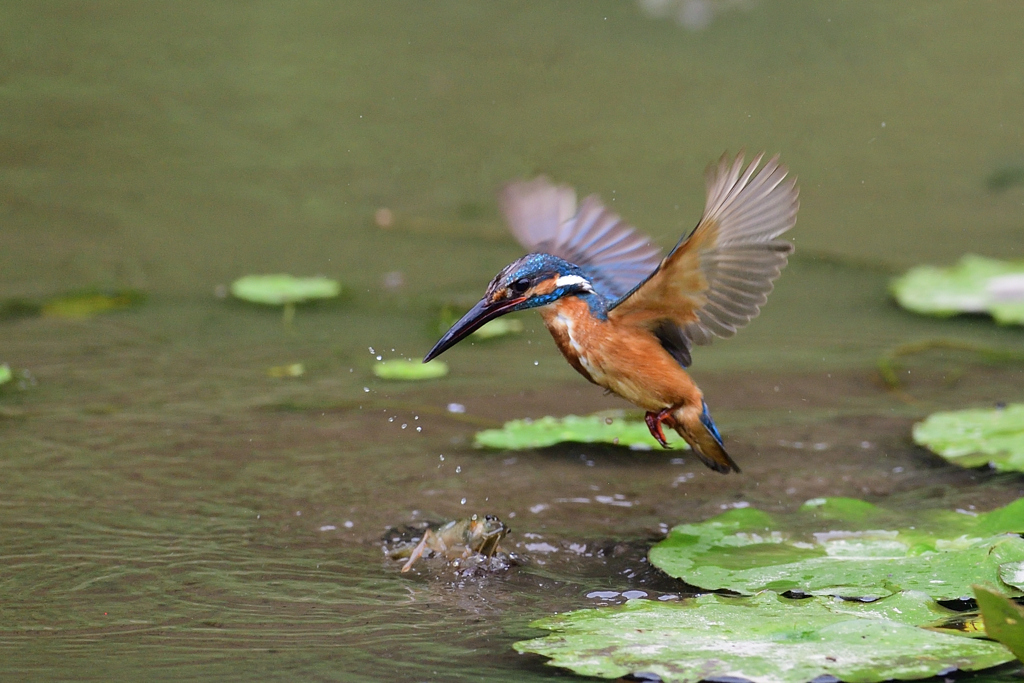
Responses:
[170,511]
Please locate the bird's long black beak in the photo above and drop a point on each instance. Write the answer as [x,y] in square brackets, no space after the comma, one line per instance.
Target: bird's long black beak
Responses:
[482,313]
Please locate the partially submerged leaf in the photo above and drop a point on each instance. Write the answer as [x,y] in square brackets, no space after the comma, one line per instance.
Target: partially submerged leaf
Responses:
[1003,618]
[976,437]
[282,289]
[89,303]
[548,431]
[409,369]
[869,554]
[765,638]
[975,285]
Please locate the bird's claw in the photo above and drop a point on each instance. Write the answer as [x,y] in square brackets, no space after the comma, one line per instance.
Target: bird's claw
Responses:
[654,421]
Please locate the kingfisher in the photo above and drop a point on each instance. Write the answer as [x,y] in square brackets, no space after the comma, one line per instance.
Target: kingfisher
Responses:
[625,317]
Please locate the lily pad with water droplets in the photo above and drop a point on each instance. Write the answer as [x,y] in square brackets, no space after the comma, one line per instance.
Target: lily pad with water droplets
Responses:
[401,369]
[976,437]
[869,554]
[765,638]
[548,431]
[975,285]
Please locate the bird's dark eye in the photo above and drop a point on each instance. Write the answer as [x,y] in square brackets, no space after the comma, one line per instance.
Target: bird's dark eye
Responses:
[520,286]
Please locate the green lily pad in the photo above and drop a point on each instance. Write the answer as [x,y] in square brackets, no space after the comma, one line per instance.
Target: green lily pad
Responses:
[500,327]
[1003,618]
[281,289]
[5,373]
[976,437]
[410,369]
[450,313]
[872,553]
[975,285]
[765,638]
[548,431]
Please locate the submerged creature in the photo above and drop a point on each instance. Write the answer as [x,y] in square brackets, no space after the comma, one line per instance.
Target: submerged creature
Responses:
[458,538]
[624,317]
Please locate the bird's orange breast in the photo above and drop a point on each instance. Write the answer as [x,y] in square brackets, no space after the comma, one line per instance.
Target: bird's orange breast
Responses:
[626,360]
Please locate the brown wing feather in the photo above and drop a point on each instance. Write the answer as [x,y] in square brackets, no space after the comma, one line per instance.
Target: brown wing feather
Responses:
[716,280]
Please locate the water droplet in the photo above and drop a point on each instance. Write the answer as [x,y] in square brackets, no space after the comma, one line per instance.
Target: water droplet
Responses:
[463,501]
[458,469]
[419,429]
[371,350]
[536,362]
[456,408]
[366,389]
[442,457]
[349,524]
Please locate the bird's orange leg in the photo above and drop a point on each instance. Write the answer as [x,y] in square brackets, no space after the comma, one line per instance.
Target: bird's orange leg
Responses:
[654,420]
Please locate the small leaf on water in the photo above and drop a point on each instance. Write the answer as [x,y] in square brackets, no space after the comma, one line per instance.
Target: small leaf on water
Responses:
[548,431]
[292,370]
[281,289]
[975,285]
[87,304]
[870,553]
[400,369]
[499,328]
[765,638]
[5,373]
[976,437]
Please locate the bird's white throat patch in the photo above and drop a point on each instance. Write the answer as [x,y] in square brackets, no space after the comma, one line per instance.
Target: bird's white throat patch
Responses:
[570,280]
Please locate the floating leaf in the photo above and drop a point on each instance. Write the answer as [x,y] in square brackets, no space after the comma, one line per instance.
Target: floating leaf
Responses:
[975,285]
[765,638]
[284,290]
[976,437]
[548,431]
[281,289]
[499,328]
[1003,618]
[410,369]
[449,314]
[292,370]
[5,373]
[86,304]
[869,553]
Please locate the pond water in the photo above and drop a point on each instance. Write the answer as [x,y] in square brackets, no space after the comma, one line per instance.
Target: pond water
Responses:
[169,510]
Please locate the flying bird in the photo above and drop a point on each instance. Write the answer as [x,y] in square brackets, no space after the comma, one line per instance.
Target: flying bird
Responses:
[626,318]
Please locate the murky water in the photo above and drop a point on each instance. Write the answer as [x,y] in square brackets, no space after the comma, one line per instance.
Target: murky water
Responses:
[168,510]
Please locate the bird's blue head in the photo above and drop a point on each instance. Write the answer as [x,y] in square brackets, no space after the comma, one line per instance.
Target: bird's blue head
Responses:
[532,281]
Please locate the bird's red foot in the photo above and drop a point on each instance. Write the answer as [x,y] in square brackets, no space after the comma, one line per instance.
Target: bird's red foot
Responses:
[654,421]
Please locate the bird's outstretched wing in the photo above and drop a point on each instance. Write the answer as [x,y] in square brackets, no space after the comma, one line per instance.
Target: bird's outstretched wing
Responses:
[716,279]
[544,218]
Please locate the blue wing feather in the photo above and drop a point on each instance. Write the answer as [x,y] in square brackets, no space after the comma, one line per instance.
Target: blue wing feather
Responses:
[544,217]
